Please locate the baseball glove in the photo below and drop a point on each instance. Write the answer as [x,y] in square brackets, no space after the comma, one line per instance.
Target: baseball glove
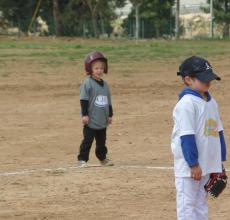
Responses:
[216,183]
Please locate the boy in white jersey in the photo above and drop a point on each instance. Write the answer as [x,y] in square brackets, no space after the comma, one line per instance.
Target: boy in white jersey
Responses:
[198,143]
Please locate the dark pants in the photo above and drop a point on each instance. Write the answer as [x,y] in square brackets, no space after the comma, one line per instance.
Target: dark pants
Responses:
[89,135]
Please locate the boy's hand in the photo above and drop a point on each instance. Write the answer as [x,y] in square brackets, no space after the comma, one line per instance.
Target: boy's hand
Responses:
[196,172]
[85,120]
[110,120]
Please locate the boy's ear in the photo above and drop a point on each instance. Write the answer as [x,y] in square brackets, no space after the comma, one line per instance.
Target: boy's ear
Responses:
[187,80]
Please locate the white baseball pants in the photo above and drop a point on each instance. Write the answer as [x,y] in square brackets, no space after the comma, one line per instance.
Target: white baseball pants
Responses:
[192,203]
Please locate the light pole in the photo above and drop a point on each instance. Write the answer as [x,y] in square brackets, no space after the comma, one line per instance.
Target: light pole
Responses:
[211,18]
[137,21]
[177,17]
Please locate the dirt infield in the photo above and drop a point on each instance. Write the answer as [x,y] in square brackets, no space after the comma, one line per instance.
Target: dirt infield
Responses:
[41,128]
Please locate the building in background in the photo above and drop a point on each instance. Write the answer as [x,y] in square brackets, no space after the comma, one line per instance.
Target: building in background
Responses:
[192,6]
[194,22]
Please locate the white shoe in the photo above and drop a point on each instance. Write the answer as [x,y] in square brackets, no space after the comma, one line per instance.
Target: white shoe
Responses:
[106,162]
[82,164]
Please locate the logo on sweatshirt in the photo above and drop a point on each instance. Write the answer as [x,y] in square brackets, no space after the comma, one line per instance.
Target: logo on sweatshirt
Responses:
[211,128]
[101,101]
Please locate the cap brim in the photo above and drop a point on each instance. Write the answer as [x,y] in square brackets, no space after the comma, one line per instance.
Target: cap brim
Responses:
[207,76]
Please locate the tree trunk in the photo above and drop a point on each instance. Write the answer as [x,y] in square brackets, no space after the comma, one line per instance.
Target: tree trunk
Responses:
[226,24]
[211,19]
[93,17]
[226,30]
[177,21]
[34,16]
[157,26]
[137,30]
[102,24]
[57,18]
[94,20]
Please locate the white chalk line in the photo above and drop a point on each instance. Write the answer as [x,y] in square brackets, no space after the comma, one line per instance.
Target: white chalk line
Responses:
[65,169]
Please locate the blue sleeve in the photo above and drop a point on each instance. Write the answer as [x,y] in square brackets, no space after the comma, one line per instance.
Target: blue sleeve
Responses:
[189,149]
[223,146]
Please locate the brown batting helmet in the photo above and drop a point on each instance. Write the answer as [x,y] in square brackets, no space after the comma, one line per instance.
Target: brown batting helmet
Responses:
[93,56]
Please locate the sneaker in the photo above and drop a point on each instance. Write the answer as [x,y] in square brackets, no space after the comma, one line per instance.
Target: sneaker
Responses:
[106,162]
[82,164]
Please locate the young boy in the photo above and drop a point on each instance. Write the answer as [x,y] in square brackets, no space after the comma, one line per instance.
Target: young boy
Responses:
[197,139]
[96,109]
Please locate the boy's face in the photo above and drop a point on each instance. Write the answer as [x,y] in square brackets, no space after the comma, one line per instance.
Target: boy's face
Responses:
[98,68]
[197,85]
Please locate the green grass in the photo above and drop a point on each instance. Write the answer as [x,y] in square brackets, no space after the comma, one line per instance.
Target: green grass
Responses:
[76,49]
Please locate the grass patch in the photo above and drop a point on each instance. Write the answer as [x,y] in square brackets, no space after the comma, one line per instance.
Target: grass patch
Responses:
[116,51]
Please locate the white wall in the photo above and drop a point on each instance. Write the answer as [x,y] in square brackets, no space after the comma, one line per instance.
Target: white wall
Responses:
[192,6]
[193,1]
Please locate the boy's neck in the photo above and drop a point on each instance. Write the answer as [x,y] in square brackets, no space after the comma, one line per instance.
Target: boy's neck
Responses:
[203,94]
[98,79]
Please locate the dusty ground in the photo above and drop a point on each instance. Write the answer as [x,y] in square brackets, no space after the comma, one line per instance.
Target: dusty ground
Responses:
[41,128]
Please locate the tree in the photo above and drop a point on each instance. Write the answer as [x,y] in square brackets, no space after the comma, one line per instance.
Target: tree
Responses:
[20,12]
[34,15]
[137,4]
[222,14]
[69,17]
[93,5]
[177,21]
[57,18]
[75,17]
[100,9]
[157,13]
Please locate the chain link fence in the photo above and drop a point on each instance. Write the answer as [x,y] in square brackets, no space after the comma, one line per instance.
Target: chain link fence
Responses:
[193,25]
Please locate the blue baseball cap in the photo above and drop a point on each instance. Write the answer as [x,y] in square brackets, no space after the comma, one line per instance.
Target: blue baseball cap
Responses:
[199,68]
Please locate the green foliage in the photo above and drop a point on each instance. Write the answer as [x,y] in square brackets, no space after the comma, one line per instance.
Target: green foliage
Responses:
[222,14]
[14,11]
[222,10]
[102,12]
[155,13]
[20,12]
[75,14]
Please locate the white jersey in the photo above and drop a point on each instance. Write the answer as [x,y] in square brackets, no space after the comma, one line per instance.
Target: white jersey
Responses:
[193,115]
